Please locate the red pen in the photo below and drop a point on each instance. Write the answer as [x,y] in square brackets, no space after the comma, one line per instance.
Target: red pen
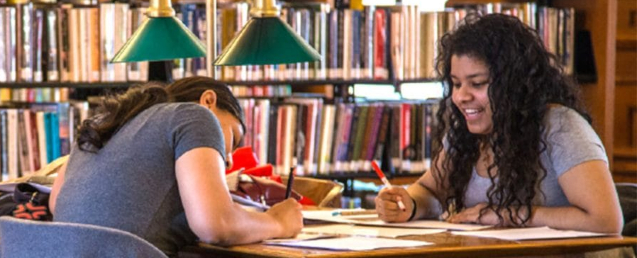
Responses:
[380,174]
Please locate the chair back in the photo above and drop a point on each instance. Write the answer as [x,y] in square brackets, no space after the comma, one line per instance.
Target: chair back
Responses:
[325,193]
[26,238]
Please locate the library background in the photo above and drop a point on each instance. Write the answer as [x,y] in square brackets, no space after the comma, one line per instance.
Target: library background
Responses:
[371,96]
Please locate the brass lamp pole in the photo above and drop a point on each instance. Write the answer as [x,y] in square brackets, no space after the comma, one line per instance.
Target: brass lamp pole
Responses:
[211,36]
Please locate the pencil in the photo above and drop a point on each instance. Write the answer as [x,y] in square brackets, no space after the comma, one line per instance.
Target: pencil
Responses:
[353,212]
[288,189]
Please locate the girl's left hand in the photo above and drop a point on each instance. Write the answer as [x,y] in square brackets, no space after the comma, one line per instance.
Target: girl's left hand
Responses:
[472,215]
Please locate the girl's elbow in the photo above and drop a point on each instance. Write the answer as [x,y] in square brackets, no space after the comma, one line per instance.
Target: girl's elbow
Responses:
[612,223]
[215,233]
[615,226]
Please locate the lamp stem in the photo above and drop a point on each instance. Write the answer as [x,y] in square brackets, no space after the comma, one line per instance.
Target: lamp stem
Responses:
[160,8]
[211,37]
[264,8]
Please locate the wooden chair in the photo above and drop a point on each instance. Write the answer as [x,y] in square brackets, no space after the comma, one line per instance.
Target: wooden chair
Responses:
[627,193]
[325,193]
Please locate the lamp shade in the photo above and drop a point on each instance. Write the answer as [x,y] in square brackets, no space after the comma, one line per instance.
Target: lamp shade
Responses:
[266,40]
[160,38]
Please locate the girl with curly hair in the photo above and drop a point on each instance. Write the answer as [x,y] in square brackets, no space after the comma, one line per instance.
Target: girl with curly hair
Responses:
[152,162]
[516,147]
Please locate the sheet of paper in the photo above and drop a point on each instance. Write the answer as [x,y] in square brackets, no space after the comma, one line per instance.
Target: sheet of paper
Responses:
[373,220]
[355,243]
[348,229]
[529,233]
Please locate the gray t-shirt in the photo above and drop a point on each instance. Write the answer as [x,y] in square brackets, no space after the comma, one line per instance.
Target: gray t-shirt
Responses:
[130,183]
[570,141]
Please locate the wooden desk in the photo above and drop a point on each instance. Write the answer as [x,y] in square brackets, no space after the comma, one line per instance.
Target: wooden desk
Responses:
[445,245]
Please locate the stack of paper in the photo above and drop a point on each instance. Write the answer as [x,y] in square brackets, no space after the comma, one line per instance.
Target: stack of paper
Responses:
[373,220]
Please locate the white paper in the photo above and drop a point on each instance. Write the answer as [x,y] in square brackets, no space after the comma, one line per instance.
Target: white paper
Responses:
[529,233]
[300,237]
[373,220]
[347,229]
[354,243]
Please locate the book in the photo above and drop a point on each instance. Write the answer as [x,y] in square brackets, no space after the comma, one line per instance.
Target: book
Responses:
[93,33]
[43,144]
[320,42]
[397,34]
[273,134]
[13,146]
[4,42]
[261,130]
[112,39]
[4,146]
[358,144]
[367,43]
[37,46]
[24,15]
[342,135]
[326,139]
[381,44]
[63,42]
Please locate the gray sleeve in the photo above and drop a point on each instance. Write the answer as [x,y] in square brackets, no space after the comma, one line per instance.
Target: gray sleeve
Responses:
[571,140]
[194,126]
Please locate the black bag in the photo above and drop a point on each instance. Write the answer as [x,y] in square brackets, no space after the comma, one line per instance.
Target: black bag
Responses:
[30,203]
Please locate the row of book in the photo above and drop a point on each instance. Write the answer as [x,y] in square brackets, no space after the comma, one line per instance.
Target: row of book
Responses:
[40,94]
[36,134]
[340,138]
[555,26]
[62,42]
[397,42]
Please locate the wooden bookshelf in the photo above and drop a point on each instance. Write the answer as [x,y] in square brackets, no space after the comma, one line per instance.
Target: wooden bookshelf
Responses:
[625,127]
[599,17]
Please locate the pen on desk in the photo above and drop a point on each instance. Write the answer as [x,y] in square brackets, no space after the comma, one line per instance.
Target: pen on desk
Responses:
[380,174]
[288,189]
[353,212]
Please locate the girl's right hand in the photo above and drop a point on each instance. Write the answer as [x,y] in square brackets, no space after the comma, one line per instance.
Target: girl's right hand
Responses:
[288,214]
[387,204]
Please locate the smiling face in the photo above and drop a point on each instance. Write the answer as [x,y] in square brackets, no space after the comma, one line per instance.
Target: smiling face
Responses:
[470,78]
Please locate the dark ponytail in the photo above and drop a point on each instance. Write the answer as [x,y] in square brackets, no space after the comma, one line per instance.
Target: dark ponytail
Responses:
[114,111]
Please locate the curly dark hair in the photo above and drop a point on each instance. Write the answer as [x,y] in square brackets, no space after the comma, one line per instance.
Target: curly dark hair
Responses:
[115,110]
[524,80]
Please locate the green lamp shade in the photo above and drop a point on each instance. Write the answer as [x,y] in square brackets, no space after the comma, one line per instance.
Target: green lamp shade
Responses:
[160,38]
[266,40]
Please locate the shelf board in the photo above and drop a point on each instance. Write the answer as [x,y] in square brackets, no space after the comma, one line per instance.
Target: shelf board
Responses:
[74,85]
[295,83]
[357,175]
[324,82]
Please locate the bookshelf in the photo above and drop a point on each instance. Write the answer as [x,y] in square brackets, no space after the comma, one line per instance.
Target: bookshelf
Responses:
[597,19]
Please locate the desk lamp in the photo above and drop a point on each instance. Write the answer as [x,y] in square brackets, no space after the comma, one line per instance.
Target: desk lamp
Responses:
[265,39]
[160,37]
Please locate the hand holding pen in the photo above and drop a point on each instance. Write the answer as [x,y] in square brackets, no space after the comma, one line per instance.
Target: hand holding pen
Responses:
[382,177]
